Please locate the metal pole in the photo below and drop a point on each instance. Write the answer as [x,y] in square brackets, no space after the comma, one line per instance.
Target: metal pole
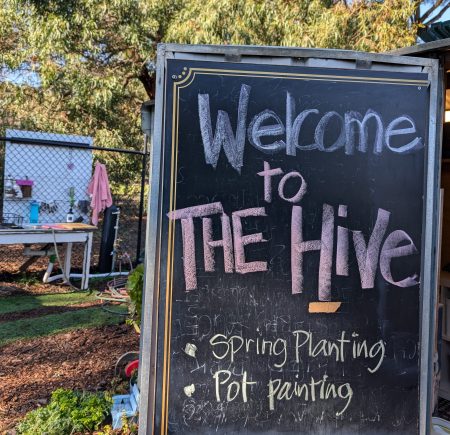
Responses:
[76,145]
[141,201]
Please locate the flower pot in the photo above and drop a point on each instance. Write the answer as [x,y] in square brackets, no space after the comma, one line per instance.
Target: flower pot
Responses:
[26,186]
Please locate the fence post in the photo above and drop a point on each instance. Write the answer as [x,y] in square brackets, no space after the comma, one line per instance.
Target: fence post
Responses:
[141,200]
[147,113]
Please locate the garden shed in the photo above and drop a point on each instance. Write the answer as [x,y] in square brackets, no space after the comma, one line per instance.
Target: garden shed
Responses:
[440,49]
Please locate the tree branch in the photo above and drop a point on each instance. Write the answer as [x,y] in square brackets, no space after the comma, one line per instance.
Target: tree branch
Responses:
[430,11]
[439,15]
[416,16]
[148,82]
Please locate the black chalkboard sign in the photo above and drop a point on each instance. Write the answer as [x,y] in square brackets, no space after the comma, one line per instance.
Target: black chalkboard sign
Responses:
[290,243]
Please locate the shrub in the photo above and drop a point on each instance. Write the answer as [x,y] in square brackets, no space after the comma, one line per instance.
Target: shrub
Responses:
[68,412]
[135,285]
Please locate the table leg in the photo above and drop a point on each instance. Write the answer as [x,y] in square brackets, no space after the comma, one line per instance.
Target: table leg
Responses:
[68,261]
[86,262]
[48,271]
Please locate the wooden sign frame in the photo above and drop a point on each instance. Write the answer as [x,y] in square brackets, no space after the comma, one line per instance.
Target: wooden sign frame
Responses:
[151,371]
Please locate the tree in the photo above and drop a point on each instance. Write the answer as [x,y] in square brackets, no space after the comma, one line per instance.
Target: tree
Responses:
[88,68]
[428,12]
[364,25]
[85,66]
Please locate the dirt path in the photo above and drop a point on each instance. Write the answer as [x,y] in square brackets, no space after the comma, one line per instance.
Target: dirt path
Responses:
[80,359]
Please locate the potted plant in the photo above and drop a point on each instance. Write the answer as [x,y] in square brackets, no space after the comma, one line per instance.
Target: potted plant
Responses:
[70,216]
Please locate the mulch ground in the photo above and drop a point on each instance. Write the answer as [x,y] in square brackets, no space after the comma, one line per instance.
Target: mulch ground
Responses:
[9,285]
[80,359]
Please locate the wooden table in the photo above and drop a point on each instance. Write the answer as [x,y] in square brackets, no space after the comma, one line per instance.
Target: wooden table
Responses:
[65,233]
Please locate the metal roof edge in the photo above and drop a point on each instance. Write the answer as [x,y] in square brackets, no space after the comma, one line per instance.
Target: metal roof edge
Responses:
[427,47]
[295,52]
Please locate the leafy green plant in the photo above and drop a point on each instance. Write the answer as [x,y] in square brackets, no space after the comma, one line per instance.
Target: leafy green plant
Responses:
[68,412]
[72,196]
[28,279]
[127,429]
[135,285]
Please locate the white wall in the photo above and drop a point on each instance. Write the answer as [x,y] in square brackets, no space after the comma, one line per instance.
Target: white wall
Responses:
[53,170]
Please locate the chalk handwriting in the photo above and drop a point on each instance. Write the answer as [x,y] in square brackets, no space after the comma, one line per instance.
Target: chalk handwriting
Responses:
[187,216]
[222,377]
[297,346]
[345,346]
[311,391]
[353,131]
[370,255]
[233,145]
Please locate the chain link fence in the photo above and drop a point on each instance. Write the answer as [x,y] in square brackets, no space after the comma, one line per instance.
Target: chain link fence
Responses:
[45,176]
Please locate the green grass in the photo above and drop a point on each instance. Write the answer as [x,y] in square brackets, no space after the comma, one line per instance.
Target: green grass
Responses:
[56,323]
[16,304]
[28,279]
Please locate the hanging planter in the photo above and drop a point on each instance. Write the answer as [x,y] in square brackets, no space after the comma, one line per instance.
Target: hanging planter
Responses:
[26,186]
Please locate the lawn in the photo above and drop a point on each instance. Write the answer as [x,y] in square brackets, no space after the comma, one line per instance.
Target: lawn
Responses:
[20,303]
[56,323]
[47,314]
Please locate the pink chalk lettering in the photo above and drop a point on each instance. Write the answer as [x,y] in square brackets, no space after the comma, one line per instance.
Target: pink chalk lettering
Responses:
[342,251]
[367,256]
[390,250]
[209,244]
[187,216]
[342,210]
[196,211]
[342,245]
[268,174]
[240,241]
[298,247]
[301,191]
[326,253]
[190,273]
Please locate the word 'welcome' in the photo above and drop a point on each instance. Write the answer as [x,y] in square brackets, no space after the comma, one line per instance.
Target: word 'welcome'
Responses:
[353,131]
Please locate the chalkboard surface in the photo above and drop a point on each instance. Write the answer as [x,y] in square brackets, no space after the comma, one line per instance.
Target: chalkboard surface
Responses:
[290,249]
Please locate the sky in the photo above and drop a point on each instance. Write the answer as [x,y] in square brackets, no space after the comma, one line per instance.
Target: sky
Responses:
[444,17]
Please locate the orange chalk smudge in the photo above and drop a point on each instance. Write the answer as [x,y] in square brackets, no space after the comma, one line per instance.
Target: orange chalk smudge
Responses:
[324,307]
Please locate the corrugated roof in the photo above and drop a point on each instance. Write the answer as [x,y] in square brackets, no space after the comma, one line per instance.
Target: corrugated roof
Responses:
[435,31]
[417,50]
[436,38]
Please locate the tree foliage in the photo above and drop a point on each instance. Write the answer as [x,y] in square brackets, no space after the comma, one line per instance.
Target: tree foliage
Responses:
[365,25]
[85,66]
